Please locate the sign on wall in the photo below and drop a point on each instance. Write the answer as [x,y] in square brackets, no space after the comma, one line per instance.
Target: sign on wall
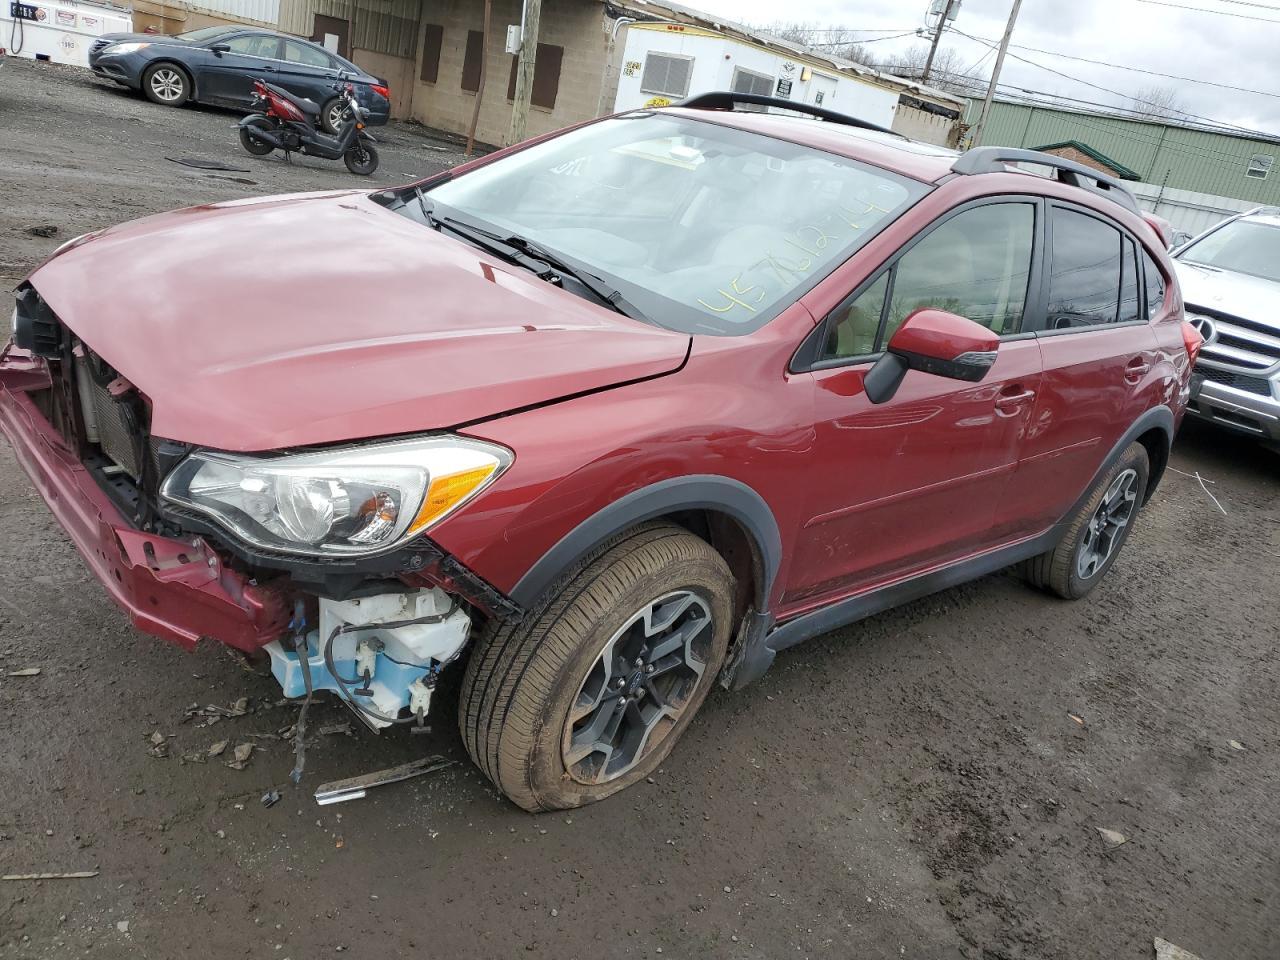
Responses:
[784,87]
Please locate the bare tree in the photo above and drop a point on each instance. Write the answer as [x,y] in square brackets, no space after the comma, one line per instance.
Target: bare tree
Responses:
[1157,102]
[833,41]
[949,70]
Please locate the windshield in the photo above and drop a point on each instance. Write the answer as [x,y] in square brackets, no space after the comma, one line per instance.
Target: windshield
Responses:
[204,33]
[704,228]
[1245,246]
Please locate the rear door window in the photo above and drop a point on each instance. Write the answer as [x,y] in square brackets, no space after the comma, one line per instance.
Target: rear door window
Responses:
[1084,271]
[307,56]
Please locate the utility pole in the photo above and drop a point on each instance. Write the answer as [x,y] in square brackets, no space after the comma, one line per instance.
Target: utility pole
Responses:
[937,35]
[524,69]
[995,75]
[475,110]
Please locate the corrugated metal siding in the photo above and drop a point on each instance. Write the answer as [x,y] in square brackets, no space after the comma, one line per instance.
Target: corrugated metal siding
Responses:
[384,26]
[1195,160]
[259,11]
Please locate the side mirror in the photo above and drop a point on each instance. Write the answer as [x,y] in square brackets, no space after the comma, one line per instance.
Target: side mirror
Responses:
[220,48]
[936,342]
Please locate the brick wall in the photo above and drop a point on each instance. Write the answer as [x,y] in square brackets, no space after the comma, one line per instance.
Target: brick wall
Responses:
[579,26]
[1071,153]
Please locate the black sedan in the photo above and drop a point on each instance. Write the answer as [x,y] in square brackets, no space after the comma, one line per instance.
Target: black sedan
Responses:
[219,64]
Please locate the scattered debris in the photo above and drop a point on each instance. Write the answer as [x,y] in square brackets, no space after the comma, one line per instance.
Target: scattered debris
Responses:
[1079,720]
[196,757]
[329,729]
[24,672]
[245,180]
[207,164]
[216,750]
[1112,838]
[122,926]
[1235,745]
[1169,951]
[42,230]
[271,798]
[74,875]
[242,752]
[159,745]
[212,713]
[354,788]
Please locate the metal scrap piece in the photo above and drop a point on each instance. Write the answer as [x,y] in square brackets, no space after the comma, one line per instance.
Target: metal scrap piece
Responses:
[353,788]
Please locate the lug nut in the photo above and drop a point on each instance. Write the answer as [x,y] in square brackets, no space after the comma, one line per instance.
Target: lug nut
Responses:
[649,668]
[639,662]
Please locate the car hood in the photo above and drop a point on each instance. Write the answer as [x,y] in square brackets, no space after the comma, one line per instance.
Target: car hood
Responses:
[140,38]
[1237,294]
[317,318]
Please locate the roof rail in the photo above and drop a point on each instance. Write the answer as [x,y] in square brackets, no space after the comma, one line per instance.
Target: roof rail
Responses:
[1266,210]
[725,100]
[993,159]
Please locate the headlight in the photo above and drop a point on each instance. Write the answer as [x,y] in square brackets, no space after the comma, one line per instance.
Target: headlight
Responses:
[348,501]
[125,47]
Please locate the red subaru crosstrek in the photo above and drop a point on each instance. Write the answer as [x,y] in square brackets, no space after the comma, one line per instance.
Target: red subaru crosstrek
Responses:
[611,416]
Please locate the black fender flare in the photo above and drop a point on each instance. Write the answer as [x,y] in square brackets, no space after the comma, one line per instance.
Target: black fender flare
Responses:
[252,117]
[676,494]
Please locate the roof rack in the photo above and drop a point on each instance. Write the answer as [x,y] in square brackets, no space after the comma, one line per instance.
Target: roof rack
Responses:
[725,100]
[993,159]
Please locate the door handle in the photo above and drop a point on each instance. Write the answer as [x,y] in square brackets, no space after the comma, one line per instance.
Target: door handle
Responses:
[1008,404]
[1136,369]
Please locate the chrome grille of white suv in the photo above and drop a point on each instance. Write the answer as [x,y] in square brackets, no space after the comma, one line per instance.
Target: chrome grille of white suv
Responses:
[1235,342]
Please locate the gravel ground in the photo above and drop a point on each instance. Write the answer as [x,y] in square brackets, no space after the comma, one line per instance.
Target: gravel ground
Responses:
[927,784]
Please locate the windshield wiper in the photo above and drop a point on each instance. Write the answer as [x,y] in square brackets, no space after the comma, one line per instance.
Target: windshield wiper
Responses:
[606,293]
[534,258]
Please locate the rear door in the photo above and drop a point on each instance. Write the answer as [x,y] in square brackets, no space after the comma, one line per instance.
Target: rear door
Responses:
[1100,355]
[920,480]
[307,71]
[228,77]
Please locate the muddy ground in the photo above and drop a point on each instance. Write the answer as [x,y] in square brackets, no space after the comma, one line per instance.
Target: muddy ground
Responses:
[927,784]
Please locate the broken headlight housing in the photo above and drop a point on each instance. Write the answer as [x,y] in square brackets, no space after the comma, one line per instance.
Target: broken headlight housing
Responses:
[348,501]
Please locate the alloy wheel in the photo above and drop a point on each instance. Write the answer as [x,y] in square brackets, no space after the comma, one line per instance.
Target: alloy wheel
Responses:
[333,119]
[167,84]
[638,687]
[1106,527]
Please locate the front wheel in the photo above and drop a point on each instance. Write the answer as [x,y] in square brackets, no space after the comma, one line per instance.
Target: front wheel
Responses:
[259,148]
[589,692]
[1097,530]
[166,84]
[361,158]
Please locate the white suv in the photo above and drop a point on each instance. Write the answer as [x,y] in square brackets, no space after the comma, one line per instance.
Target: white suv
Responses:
[1230,278]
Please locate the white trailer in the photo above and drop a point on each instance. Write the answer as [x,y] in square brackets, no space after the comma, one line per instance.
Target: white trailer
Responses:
[59,31]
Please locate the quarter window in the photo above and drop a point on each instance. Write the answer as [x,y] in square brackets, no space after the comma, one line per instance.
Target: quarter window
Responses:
[666,75]
[1129,305]
[975,264]
[1084,279]
[1154,284]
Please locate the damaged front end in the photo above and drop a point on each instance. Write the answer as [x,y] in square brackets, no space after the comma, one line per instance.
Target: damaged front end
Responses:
[315,556]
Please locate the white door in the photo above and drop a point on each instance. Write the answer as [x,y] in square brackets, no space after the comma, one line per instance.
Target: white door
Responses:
[822,91]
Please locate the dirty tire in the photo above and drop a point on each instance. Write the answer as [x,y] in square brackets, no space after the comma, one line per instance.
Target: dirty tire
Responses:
[523,677]
[361,159]
[166,84]
[1058,570]
[259,148]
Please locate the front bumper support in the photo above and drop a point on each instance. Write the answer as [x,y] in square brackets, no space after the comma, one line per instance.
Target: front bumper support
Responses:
[175,589]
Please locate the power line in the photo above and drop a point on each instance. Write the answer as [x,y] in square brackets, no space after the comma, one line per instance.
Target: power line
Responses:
[1117,93]
[1219,13]
[856,43]
[1247,3]
[1152,73]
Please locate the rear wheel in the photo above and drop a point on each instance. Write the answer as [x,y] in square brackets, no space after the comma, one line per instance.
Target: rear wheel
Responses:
[259,148]
[589,693]
[361,158]
[331,115]
[1097,531]
[166,84]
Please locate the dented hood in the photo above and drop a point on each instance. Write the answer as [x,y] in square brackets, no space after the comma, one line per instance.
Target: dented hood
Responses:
[308,319]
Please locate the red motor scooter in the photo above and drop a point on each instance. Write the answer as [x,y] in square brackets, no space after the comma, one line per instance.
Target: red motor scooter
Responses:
[292,124]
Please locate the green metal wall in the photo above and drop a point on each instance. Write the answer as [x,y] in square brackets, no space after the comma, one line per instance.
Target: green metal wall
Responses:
[1174,156]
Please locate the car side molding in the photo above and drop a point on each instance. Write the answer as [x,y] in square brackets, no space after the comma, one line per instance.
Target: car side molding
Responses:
[696,492]
[759,648]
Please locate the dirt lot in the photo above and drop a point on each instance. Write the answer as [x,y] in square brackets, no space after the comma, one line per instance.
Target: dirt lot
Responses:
[927,784]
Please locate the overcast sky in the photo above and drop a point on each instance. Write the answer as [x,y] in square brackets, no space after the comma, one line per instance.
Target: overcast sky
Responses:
[1224,49]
